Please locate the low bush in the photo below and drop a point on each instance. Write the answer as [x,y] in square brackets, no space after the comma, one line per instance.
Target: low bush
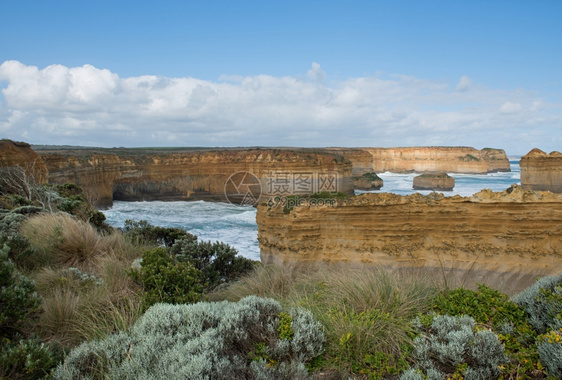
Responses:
[145,233]
[21,357]
[542,302]
[18,298]
[19,247]
[165,279]
[498,313]
[28,358]
[550,352]
[455,346]
[218,262]
[222,340]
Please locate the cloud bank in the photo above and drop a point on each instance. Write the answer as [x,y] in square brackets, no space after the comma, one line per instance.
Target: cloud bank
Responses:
[90,106]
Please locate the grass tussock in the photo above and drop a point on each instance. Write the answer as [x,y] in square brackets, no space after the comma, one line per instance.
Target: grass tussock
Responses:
[87,292]
[79,306]
[364,310]
[60,240]
[63,240]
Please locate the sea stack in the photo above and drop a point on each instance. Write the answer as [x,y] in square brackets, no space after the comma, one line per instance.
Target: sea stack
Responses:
[437,182]
[541,171]
[367,181]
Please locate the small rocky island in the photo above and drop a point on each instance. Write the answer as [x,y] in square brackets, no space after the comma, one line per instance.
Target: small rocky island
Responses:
[436,181]
[367,181]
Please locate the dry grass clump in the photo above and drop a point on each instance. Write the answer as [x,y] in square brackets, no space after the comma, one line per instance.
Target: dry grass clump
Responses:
[79,306]
[63,240]
[82,276]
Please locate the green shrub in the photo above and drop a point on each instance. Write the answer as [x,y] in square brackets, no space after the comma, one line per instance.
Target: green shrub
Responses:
[494,309]
[28,358]
[164,279]
[20,358]
[218,262]
[455,346]
[20,249]
[149,234]
[201,341]
[71,203]
[542,302]
[18,298]
[486,305]
[550,352]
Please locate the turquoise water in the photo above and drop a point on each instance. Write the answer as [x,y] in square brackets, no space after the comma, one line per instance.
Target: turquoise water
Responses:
[236,225]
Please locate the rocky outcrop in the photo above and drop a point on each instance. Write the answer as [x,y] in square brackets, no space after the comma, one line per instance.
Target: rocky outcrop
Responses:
[151,174]
[435,159]
[437,182]
[541,171]
[367,181]
[515,232]
[20,154]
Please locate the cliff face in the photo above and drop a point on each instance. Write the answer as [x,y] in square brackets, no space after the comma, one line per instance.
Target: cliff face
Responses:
[435,159]
[130,175]
[515,232]
[541,171]
[21,155]
[361,160]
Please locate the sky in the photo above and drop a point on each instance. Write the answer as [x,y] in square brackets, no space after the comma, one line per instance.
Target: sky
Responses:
[285,73]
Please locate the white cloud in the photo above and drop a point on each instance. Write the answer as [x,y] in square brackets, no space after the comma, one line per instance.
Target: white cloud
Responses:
[509,107]
[88,106]
[316,73]
[464,84]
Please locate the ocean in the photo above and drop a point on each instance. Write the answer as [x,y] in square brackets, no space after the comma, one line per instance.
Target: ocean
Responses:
[236,225]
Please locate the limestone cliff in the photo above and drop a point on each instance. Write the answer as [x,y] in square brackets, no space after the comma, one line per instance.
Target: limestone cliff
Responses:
[435,159]
[515,232]
[188,174]
[20,154]
[437,182]
[541,171]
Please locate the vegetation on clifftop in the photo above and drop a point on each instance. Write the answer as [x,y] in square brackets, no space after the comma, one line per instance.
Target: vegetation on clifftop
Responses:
[80,299]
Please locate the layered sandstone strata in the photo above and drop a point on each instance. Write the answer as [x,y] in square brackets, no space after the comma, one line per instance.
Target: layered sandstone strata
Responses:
[20,154]
[437,182]
[150,174]
[541,171]
[515,232]
[436,159]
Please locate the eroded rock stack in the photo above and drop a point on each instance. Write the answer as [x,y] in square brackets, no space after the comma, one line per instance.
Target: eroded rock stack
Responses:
[541,171]
[436,182]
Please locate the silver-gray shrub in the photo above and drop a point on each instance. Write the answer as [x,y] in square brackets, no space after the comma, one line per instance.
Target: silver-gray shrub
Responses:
[200,341]
[454,341]
[550,353]
[542,302]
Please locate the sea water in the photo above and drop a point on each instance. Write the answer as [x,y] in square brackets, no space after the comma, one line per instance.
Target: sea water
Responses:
[236,225]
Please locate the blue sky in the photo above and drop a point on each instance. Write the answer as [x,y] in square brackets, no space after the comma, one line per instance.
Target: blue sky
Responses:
[301,73]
